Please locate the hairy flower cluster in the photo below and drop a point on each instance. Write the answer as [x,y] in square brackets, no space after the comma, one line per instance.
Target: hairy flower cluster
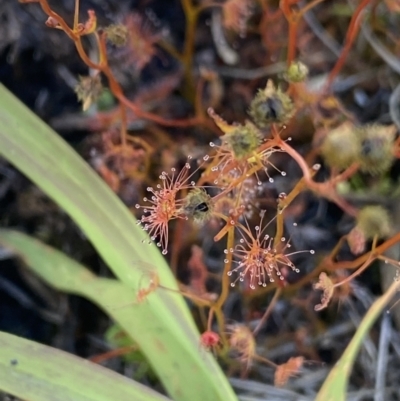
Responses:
[258,260]
[243,152]
[165,205]
[136,39]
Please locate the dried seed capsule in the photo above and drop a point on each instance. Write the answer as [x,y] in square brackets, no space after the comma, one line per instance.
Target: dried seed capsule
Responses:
[271,105]
[341,147]
[374,221]
[243,140]
[89,90]
[117,34]
[376,143]
[297,72]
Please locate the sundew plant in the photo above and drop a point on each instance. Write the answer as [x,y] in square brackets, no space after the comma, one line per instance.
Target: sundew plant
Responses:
[223,188]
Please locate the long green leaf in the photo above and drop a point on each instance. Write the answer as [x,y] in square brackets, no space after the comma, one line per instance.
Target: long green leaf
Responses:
[36,372]
[335,385]
[48,161]
[113,296]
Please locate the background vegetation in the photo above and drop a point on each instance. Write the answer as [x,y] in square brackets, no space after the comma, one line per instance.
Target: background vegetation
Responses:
[256,143]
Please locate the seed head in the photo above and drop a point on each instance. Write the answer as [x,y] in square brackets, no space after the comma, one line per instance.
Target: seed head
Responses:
[117,34]
[341,146]
[89,90]
[370,146]
[242,147]
[243,140]
[297,72]
[271,105]
[376,143]
[374,221]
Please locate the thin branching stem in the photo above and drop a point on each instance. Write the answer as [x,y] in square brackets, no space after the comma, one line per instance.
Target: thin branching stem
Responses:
[267,313]
[370,259]
[351,35]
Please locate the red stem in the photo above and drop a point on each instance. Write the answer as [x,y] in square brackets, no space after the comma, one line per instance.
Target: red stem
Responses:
[351,35]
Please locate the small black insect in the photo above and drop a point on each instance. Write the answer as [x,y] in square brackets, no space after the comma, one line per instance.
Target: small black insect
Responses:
[202,207]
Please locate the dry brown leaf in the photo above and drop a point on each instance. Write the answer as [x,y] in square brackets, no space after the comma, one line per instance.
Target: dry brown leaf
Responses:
[236,13]
[356,241]
[243,342]
[286,370]
[324,284]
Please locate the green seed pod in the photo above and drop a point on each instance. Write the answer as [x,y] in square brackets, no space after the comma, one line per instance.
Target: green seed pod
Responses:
[198,205]
[341,147]
[117,34]
[376,155]
[89,90]
[271,105]
[297,72]
[374,221]
[243,140]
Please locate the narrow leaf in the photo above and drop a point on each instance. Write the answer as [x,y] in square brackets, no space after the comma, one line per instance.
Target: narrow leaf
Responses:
[36,372]
[335,385]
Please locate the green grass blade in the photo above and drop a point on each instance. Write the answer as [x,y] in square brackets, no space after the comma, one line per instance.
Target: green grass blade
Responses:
[335,385]
[48,161]
[113,296]
[36,372]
